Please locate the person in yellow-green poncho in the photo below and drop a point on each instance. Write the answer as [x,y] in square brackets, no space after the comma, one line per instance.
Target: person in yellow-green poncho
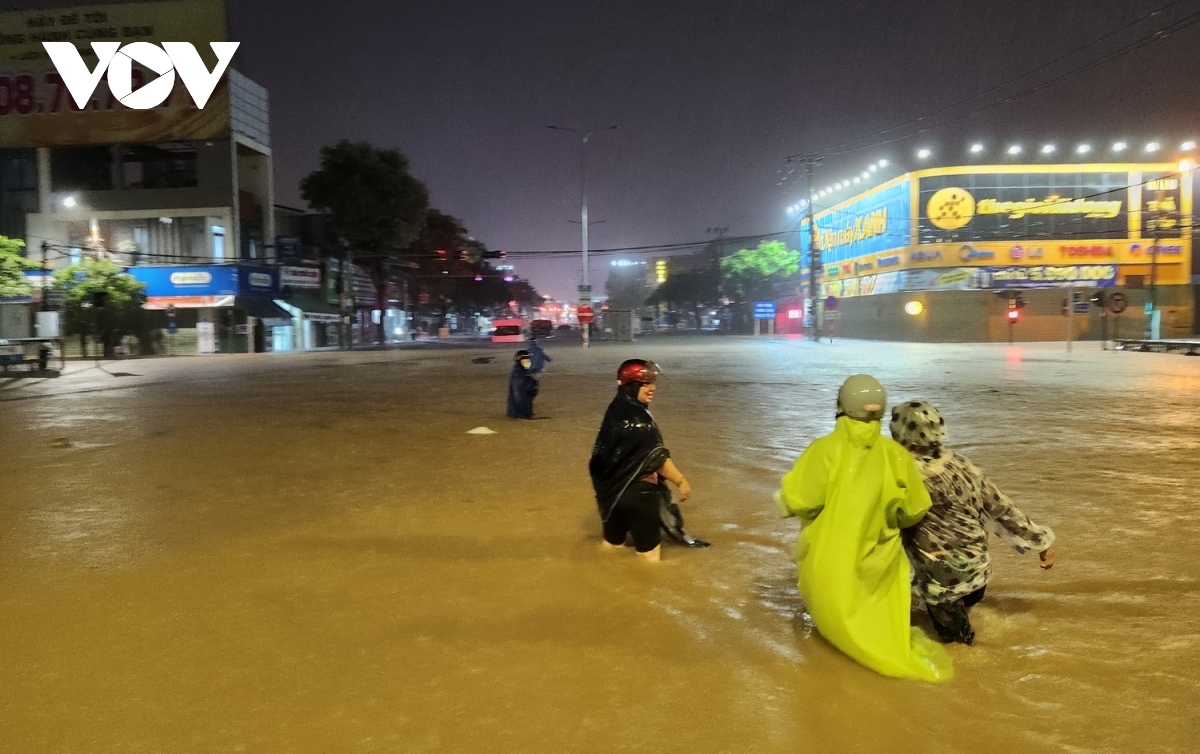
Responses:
[853,491]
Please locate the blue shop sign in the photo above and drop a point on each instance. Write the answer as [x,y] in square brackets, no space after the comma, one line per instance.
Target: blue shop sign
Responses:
[874,223]
[1066,276]
[261,281]
[764,310]
[193,280]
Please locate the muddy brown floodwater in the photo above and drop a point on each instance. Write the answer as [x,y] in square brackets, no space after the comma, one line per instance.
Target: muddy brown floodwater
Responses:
[308,554]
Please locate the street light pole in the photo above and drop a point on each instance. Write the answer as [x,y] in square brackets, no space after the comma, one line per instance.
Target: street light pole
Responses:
[814,255]
[583,211]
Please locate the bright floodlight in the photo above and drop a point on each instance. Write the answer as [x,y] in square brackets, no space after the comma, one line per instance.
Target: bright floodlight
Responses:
[823,192]
[914,308]
[873,168]
[1047,149]
[1083,148]
[1187,164]
[866,175]
[69,202]
[883,163]
[857,179]
[976,148]
[923,154]
[1015,149]
[829,189]
[1187,146]
[790,210]
[1152,146]
[812,198]
[1120,146]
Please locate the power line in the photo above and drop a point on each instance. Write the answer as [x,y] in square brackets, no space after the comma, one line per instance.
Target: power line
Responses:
[846,147]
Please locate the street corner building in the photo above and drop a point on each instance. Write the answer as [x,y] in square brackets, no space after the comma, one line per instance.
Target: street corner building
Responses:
[988,252]
[180,195]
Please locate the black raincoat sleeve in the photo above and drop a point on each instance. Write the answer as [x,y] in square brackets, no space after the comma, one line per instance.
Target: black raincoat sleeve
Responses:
[522,389]
[629,446]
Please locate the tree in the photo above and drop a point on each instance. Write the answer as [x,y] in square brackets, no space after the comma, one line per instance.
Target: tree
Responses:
[101,298]
[688,290]
[752,273]
[13,267]
[375,204]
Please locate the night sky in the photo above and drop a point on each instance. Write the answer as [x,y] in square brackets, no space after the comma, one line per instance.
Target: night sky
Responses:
[711,98]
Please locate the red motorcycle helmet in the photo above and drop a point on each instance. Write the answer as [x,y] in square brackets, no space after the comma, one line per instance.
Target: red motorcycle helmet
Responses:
[638,372]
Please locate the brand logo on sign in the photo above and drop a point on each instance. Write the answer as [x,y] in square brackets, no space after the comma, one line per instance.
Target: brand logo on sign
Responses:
[1087,251]
[950,208]
[887,261]
[968,253]
[259,280]
[925,256]
[118,61]
[1017,252]
[191,278]
[860,266]
[1171,251]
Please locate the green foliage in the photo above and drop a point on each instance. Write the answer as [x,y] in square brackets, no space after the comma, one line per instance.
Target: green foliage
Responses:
[752,273]
[13,267]
[688,289]
[369,194]
[121,313]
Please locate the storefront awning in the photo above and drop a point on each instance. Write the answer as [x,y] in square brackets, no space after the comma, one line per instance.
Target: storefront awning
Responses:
[313,308]
[264,309]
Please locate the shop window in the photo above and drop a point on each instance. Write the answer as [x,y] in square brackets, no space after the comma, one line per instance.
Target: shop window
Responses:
[218,243]
[158,166]
[81,169]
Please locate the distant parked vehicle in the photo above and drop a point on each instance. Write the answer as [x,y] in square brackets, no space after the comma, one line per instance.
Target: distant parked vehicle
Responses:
[508,331]
[564,328]
[541,328]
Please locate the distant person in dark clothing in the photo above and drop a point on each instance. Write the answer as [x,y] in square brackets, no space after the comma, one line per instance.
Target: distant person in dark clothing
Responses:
[522,387]
[538,358]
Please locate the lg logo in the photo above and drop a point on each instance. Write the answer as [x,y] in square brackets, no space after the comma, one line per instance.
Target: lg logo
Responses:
[172,57]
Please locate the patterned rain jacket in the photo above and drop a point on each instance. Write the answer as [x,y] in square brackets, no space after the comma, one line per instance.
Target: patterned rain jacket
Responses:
[949,547]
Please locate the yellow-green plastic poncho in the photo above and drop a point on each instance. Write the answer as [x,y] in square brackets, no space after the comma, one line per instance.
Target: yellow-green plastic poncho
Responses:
[854,490]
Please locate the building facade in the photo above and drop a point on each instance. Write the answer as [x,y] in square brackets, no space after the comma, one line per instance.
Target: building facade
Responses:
[187,190]
[940,254]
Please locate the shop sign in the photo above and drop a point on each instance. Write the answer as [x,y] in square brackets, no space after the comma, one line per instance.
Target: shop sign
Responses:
[888,261]
[925,256]
[1011,204]
[163,281]
[1082,276]
[1017,251]
[300,277]
[258,280]
[863,266]
[960,279]
[875,222]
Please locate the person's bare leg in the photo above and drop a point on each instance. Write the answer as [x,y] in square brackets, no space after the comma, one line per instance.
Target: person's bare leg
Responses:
[653,556]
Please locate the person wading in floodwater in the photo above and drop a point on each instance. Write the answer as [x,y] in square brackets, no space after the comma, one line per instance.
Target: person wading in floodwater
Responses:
[853,491]
[949,547]
[522,388]
[628,462]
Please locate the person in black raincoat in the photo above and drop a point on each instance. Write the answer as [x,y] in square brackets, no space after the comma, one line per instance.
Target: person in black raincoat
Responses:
[522,388]
[630,465]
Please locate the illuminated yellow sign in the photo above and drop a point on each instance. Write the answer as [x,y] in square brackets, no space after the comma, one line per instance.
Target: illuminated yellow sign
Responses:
[660,271]
[951,208]
[1051,205]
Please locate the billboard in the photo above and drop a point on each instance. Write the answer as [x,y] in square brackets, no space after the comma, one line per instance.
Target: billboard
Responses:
[195,280]
[1024,205]
[875,222]
[37,110]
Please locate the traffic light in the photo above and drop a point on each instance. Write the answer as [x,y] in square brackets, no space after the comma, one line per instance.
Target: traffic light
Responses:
[494,255]
[1014,315]
[1014,309]
[1019,302]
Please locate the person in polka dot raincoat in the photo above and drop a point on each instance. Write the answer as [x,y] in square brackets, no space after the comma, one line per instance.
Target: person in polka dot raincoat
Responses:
[948,548]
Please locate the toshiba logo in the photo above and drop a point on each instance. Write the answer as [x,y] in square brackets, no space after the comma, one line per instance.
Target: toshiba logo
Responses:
[1087,251]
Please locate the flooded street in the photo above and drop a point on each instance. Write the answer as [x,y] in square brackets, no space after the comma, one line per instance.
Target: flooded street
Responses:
[308,553]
